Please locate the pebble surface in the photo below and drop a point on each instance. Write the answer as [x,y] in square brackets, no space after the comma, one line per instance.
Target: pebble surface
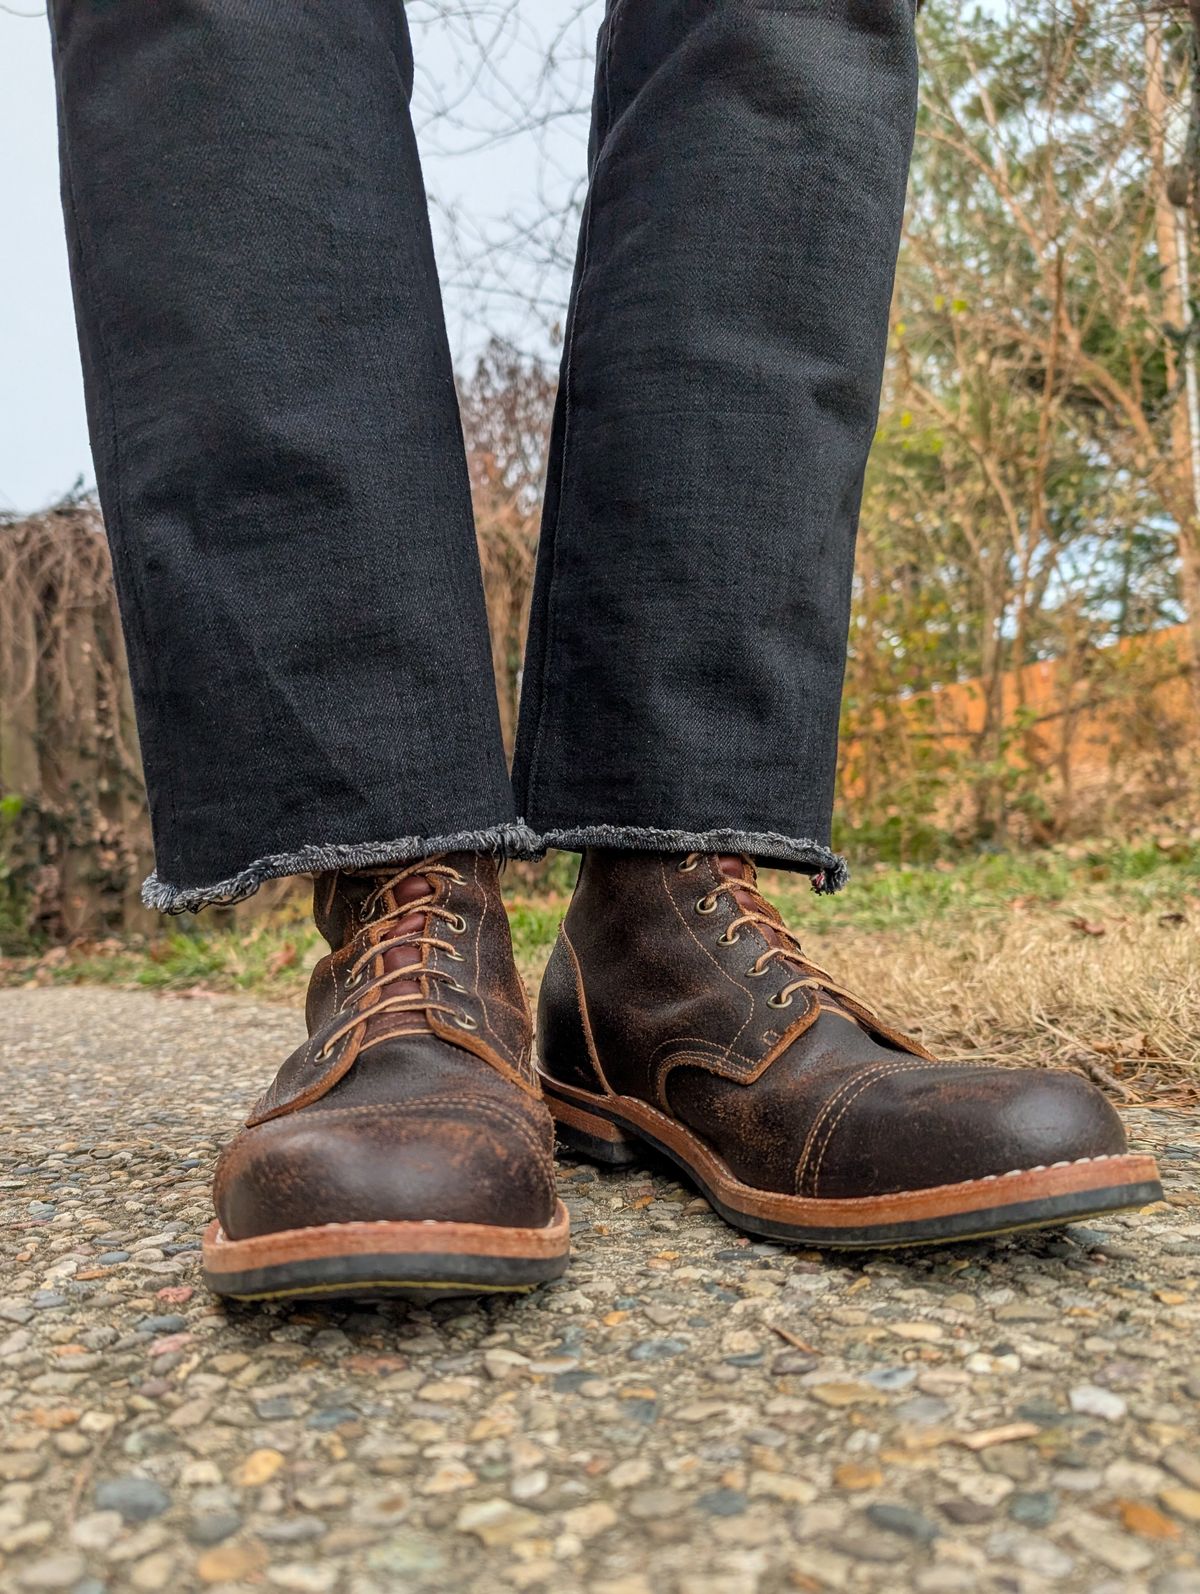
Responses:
[686,1412]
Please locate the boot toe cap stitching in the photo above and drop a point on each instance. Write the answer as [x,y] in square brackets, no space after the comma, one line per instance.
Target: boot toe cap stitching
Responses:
[1072,1115]
[837,1105]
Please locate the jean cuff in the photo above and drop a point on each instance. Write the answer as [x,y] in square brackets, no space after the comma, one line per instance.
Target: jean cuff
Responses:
[511,840]
[829,870]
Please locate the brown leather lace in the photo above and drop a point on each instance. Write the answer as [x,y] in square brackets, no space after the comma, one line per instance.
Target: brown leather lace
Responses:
[414,1001]
[789,951]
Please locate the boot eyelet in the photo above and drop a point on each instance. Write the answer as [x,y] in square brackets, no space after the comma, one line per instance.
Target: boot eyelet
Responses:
[728,940]
[707,904]
[457,925]
[465,1021]
[756,974]
[686,868]
[775,1001]
[455,957]
[459,990]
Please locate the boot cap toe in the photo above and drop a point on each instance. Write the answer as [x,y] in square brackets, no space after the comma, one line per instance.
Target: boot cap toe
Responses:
[926,1126]
[461,1162]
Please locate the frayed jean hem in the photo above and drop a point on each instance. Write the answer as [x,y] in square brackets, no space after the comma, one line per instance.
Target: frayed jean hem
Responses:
[829,870]
[512,840]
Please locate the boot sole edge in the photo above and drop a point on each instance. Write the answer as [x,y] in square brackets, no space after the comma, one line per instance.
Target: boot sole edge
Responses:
[416,1260]
[614,1130]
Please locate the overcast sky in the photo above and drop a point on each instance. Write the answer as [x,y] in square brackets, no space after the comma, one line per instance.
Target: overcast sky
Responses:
[482,183]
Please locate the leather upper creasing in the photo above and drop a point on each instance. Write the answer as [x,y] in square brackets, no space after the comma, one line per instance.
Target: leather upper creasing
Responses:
[692,999]
[414,1094]
[676,984]
[305,1077]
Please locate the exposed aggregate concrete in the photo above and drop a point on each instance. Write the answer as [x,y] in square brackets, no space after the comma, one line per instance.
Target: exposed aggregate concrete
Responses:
[686,1412]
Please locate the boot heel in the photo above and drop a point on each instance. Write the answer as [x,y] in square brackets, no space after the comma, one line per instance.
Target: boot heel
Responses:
[592,1136]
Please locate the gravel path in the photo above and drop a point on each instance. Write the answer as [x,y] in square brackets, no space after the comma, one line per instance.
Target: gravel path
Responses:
[685,1413]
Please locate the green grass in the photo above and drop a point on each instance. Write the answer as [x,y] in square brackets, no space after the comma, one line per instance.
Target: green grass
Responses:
[534,925]
[1141,876]
[269,958]
[269,961]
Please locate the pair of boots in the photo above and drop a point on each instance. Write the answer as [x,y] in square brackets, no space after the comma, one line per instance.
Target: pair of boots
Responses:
[407,1146]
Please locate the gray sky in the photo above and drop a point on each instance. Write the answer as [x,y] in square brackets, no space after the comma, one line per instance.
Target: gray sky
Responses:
[481,190]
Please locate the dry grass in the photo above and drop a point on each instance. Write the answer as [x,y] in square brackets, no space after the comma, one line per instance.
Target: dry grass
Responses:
[1122,1006]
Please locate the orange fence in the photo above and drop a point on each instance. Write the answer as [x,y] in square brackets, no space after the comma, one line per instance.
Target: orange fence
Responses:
[1111,726]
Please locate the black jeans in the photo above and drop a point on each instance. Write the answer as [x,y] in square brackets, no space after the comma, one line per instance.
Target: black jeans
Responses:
[280,459]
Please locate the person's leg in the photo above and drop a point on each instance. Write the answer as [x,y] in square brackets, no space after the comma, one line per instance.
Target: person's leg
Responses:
[276,439]
[281,469]
[718,399]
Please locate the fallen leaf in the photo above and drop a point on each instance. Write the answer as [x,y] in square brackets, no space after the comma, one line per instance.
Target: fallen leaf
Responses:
[1088,927]
[283,959]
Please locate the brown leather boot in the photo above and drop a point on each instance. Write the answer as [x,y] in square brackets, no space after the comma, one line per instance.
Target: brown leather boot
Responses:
[678,1012]
[405,1147]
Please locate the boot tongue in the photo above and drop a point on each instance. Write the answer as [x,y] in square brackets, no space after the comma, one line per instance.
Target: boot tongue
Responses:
[736,867]
[413,889]
[339,900]
[339,897]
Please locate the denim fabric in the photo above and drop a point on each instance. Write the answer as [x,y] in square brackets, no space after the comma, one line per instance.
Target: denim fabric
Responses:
[276,435]
[717,400]
[280,460]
